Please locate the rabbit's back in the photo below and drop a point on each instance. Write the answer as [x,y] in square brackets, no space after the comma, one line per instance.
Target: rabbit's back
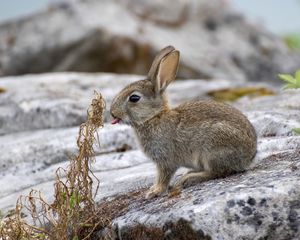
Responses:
[213,112]
[220,133]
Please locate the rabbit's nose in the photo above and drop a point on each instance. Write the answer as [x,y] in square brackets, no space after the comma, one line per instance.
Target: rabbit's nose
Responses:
[115,119]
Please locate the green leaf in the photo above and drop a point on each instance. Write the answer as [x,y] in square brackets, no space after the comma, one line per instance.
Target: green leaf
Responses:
[79,199]
[292,82]
[297,76]
[287,77]
[292,41]
[40,236]
[296,130]
[73,200]
[75,238]
[64,195]
[290,86]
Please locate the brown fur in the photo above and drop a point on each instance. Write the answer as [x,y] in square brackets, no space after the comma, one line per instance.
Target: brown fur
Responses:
[213,139]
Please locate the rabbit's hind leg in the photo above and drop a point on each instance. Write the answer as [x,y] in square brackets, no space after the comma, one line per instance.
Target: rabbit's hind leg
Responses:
[193,178]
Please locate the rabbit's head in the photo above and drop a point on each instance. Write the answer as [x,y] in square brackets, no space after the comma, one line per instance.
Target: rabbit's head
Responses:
[142,100]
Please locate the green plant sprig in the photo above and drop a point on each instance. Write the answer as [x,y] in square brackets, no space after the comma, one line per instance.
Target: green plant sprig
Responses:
[296,130]
[292,82]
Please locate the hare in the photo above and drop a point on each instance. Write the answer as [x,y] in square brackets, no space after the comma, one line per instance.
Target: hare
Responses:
[213,139]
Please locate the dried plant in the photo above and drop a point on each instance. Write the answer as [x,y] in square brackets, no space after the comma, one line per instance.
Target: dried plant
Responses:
[73,214]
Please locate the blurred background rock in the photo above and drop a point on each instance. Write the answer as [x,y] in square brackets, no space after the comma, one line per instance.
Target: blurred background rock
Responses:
[214,37]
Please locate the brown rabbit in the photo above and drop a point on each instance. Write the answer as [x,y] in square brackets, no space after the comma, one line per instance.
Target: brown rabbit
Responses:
[212,138]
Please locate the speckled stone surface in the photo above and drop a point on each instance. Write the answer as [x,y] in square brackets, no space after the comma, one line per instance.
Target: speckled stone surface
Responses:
[263,203]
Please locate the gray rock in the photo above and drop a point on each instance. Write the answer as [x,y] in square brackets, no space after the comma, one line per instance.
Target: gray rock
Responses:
[116,171]
[273,115]
[263,203]
[286,100]
[214,40]
[52,146]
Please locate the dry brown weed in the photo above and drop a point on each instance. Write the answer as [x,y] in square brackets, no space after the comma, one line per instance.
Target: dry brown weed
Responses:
[73,212]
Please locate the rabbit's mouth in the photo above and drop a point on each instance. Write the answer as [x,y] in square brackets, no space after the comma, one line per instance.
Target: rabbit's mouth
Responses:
[116,120]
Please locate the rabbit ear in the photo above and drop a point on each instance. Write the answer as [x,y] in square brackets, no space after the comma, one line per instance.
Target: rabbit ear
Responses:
[167,71]
[164,68]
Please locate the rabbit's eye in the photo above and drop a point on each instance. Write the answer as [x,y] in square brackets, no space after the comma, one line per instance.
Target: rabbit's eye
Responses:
[134,98]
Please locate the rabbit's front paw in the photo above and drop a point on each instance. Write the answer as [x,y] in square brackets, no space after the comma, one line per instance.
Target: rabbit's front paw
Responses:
[155,191]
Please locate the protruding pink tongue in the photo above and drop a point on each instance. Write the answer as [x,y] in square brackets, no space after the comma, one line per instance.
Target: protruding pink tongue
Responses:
[115,120]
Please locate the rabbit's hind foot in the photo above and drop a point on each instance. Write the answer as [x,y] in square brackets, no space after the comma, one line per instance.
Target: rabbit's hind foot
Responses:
[192,178]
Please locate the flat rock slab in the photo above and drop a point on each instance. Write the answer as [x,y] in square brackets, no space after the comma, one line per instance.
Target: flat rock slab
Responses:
[52,146]
[117,172]
[274,115]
